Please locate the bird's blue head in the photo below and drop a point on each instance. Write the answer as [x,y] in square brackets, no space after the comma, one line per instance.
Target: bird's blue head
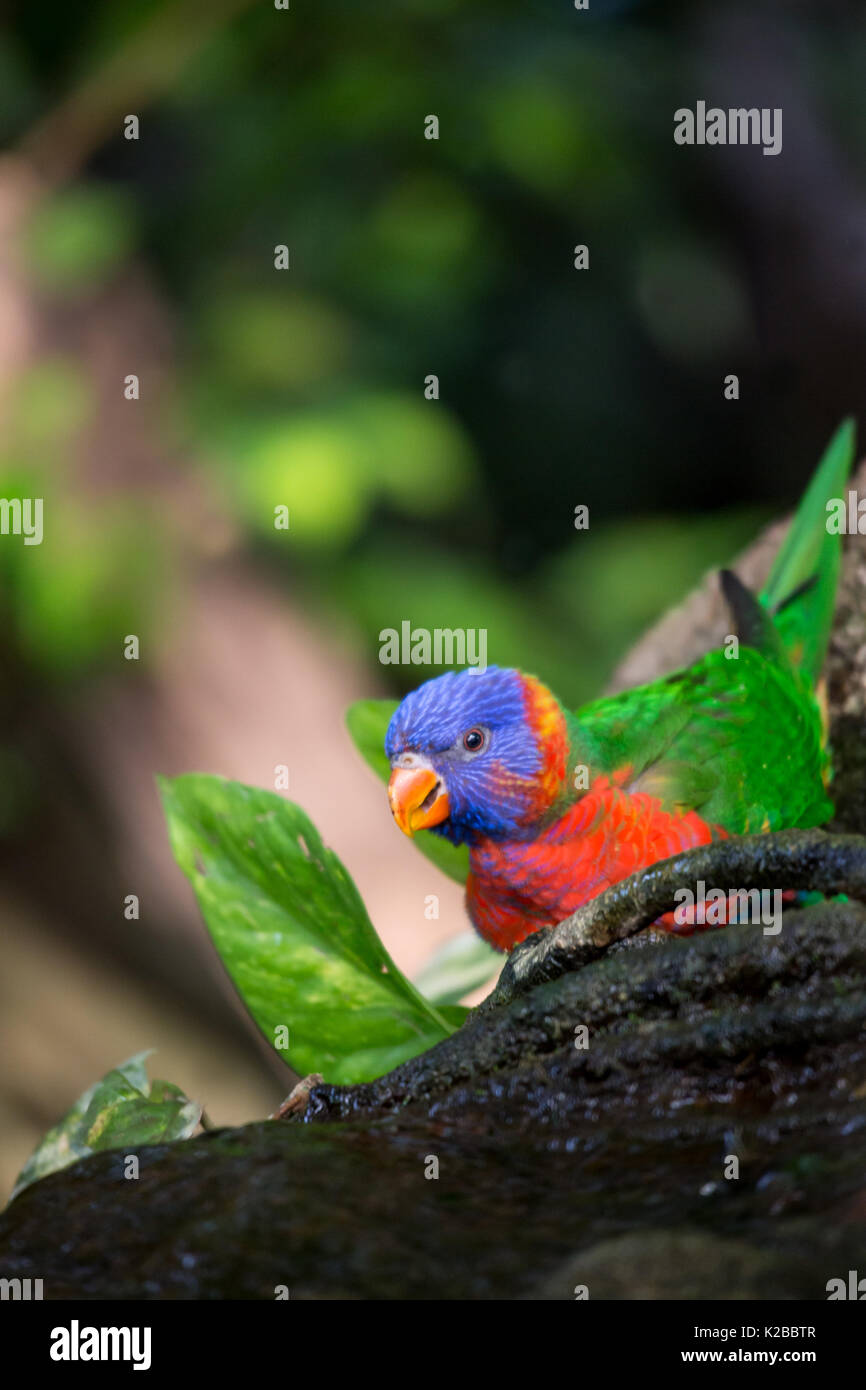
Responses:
[479,754]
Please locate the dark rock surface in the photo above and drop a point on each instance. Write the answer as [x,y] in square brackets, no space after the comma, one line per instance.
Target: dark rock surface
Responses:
[558,1165]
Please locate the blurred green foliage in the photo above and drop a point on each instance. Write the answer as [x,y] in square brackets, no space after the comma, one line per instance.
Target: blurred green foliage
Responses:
[97,572]
[305,388]
[76,238]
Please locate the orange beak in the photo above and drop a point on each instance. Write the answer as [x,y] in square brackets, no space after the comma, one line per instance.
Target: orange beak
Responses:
[418,798]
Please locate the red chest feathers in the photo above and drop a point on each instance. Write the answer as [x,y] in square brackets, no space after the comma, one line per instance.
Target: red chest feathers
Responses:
[517,886]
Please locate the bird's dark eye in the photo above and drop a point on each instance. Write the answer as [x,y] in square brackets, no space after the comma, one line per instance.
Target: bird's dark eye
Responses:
[473,740]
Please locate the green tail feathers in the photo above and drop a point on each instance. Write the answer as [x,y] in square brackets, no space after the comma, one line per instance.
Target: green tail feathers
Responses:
[801,588]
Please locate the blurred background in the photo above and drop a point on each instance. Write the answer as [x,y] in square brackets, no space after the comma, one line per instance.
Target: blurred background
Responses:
[304,387]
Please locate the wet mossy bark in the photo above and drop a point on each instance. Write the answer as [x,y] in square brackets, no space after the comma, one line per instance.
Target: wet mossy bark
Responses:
[674,1118]
[559,1164]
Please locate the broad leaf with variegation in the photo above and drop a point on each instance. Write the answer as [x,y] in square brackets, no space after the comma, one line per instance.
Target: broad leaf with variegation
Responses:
[293,933]
[122,1111]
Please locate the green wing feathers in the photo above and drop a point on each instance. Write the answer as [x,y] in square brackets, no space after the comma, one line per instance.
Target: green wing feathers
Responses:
[740,739]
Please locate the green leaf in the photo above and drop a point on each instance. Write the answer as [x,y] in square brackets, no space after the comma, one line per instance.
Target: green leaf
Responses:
[459,966]
[122,1111]
[456,1014]
[367,722]
[293,932]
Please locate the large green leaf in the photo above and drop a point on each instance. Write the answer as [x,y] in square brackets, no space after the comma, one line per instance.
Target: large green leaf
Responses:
[293,932]
[367,722]
[122,1111]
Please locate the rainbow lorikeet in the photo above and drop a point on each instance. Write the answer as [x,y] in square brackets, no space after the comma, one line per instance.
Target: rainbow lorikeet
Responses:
[555,807]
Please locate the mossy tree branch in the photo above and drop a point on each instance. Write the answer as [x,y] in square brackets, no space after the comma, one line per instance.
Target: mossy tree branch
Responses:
[808,860]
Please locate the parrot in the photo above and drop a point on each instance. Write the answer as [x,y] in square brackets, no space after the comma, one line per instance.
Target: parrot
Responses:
[556,806]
